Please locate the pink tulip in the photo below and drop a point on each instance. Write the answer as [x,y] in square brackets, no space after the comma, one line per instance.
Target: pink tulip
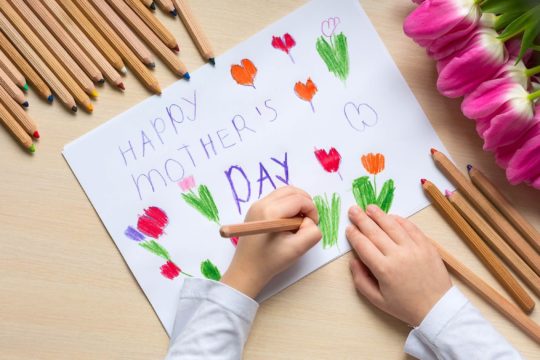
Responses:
[504,154]
[480,60]
[187,183]
[525,164]
[433,19]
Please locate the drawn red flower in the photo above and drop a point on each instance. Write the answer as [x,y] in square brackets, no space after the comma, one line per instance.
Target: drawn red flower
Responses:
[329,160]
[152,222]
[170,270]
[234,240]
[284,43]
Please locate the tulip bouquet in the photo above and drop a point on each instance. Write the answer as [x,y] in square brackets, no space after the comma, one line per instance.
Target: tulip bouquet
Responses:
[485,53]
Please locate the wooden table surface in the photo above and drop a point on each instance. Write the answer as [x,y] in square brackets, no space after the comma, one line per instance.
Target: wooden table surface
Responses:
[66,292]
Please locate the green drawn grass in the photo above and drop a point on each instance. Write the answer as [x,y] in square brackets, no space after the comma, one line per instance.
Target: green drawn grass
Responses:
[335,54]
[155,248]
[210,271]
[386,196]
[328,218]
[364,193]
[203,203]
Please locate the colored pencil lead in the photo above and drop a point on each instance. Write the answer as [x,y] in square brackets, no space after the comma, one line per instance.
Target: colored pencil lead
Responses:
[25,87]
[212,61]
[469,167]
[74,108]
[121,86]
[36,134]
[177,48]
[423,181]
[173,12]
[433,151]
[153,6]
[187,76]
[25,104]
[152,65]
[50,98]
[32,148]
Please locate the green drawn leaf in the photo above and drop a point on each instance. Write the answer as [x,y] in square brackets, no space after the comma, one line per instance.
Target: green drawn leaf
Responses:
[155,248]
[363,192]
[203,202]
[210,271]
[335,54]
[328,218]
[386,196]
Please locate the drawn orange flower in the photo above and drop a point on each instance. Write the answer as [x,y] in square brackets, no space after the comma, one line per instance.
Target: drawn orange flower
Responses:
[305,91]
[244,74]
[373,163]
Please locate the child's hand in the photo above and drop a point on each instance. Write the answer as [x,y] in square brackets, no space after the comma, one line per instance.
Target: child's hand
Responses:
[399,270]
[259,258]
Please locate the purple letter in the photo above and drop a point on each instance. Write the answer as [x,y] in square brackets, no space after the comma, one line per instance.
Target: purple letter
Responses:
[264,175]
[228,174]
[285,170]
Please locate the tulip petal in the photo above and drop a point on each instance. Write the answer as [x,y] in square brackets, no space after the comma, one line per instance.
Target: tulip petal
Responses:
[508,125]
[525,164]
[487,98]
[504,154]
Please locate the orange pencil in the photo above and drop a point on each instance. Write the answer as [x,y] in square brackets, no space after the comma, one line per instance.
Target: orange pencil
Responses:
[168,57]
[57,86]
[12,89]
[482,251]
[135,65]
[125,33]
[13,73]
[195,30]
[167,5]
[504,206]
[19,114]
[55,47]
[14,128]
[153,23]
[149,4]
[47,57]
[33,77]
[492,215]
[65,39]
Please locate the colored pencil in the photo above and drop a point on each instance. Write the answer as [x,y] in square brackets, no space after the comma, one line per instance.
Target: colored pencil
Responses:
[149,4]
[13,73]
[153,23]
[167,5]
[493,239]
[65,39]
[72,18]
[18,132]
[490,295]
[482,251]
[28,71]
[488,211]
[195,30]
[504,206]
[55,66]
[12,89]
[261,227]
[134,64]
[145,33]
[69,28]
[26,50]
[129,37]
[19,114]
[54,47]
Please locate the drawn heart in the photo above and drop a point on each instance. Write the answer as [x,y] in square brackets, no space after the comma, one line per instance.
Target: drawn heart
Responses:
[305,91]
[328,26]
[359,116]
[152,222]
[284,43]
[329,160]
[245,73]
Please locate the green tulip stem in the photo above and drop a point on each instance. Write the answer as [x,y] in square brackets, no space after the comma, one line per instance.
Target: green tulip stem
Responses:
[534,95]
[532,71]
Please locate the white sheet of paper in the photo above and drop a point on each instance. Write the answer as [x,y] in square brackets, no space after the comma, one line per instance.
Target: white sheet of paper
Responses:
[207,125]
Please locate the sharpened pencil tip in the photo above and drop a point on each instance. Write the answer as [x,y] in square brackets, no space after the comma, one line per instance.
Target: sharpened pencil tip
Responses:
[187,76]
[74,108]
[36,134]
[433,151]
[423,181]
[152,65]
[121,86]
[448,193]
[32,148]
[50,98]
[469,167]
[212,61]
[25,87]
[176,48]
[101,81]
[123,70]
[25,104]
[90,107]
[153,6]
[173,12]
[94,93]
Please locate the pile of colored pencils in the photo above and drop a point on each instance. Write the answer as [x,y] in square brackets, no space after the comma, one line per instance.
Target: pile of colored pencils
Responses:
[495,231]
[63,48]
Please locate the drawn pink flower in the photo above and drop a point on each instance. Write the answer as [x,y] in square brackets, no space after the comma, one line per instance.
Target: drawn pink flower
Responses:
[187,183]
[329,160]
[479,61]
[170,270]
[153,222]
[284,43]
[329,26]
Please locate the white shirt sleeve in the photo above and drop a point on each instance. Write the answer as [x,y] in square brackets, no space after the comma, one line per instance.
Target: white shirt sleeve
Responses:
[454,329]
[212,321]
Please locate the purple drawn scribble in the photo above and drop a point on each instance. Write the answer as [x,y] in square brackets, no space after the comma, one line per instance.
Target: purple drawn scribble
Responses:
[360,116]
[133,234]
[329,26]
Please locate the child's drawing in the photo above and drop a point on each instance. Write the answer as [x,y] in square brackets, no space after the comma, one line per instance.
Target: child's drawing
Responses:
[284,43]
[245,73]
[152,222]
[202,200]
[329,160]
[365,191]
[333,49]
[329,212]
[306,91]
[210,271]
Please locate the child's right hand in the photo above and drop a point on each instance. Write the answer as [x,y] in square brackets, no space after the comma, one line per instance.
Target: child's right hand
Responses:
[398,270]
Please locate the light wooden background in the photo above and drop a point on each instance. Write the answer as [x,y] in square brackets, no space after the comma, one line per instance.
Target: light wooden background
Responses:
[66,293]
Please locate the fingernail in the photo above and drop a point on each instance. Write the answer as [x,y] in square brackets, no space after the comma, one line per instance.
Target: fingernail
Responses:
[372,209]
[354,210]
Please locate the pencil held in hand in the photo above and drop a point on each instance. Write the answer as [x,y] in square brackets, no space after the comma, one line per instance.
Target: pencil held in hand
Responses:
[261,227]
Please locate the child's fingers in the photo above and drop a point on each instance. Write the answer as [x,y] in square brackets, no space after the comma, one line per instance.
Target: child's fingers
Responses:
[364,283]
[371,230]
[414,232]
[388,224]
[307,236]
[285,191]
[368,253]
[293,205]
